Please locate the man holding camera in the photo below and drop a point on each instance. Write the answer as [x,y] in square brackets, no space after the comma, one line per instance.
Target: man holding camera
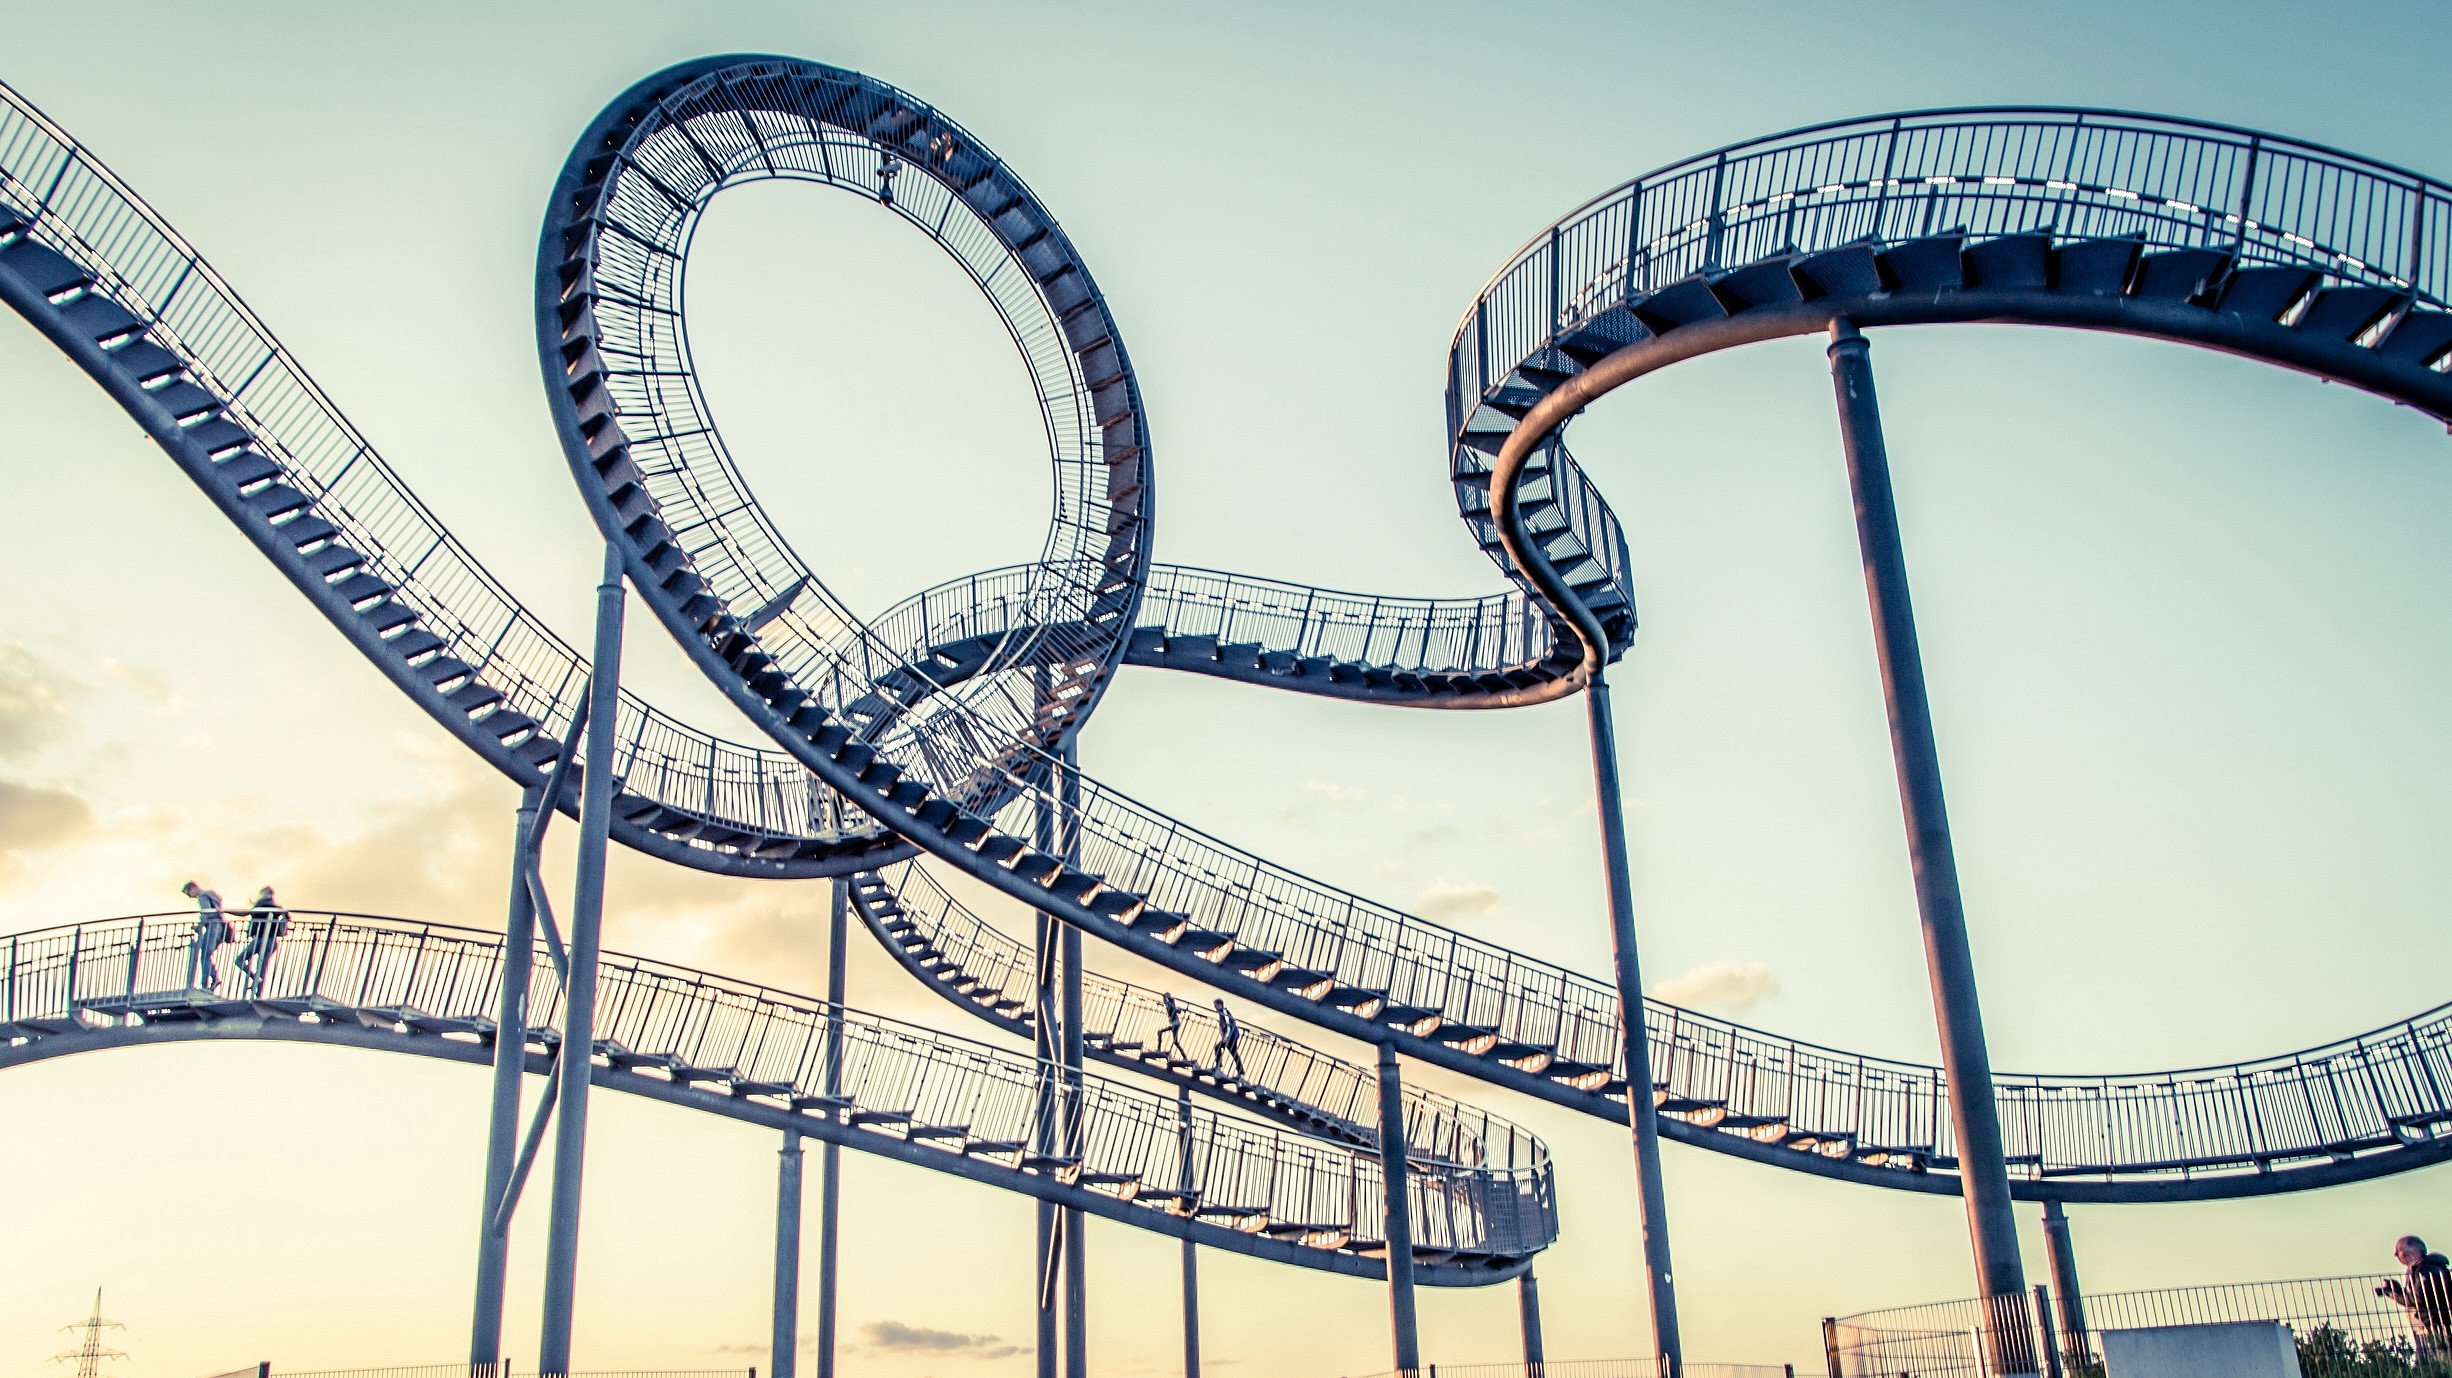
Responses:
[2425,1292]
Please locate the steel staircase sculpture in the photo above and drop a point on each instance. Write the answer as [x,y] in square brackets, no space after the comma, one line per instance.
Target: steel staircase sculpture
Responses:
[757,1054]
[935,729]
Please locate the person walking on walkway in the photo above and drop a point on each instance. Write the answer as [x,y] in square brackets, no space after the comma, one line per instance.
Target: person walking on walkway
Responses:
[266,922]
[2425,1292]
[212,930]
[1229,1041]
[1170,1034]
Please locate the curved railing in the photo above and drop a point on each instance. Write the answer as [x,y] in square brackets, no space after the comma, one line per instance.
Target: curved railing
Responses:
[1285,629]
[937,935]
[69,203]
[79,986]
[890,761]
[1979,172]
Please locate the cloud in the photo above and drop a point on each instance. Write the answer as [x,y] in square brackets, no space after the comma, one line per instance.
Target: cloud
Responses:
[1317,799]
[1448,901]
[1321,791]
[33,818]
[152,688]
[894,1336]
[32,710]
[1722,987]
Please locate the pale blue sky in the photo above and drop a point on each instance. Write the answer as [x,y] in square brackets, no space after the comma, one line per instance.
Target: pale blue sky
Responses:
[2185,619]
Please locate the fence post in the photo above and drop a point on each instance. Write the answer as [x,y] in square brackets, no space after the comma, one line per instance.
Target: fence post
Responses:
[2043,1331]
[1830,1345]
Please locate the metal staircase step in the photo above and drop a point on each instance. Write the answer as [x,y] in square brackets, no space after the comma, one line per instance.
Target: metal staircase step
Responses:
[2095,267]
[2420,337]
[2264,293]
[2341,313]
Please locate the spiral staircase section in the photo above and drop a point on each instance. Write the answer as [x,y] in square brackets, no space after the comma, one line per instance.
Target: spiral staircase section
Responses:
[938,728]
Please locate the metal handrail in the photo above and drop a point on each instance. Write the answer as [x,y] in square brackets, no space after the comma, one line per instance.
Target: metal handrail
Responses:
[1437,1127]
[2174,183]
[985,747]
[80,208]
[768,1042]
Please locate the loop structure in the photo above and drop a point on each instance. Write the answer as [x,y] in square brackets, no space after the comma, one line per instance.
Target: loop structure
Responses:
[939,729]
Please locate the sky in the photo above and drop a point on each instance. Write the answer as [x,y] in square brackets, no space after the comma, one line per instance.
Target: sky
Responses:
[2184,618]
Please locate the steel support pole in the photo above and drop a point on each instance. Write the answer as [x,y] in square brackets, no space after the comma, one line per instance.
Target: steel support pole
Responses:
[1191,1251]
[2069,1302]
[510,1065]
[1965,1061]
[1076,1232]
[784,1353]
[1528,1307]
[1642,1106]
[1043,1143]
[579,995]
[829,1153]
[1406,1330]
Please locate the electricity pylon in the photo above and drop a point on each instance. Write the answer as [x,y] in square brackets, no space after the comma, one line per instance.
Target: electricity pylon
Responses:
[90,1351]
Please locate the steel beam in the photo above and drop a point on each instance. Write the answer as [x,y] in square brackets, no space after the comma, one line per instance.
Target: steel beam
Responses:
[784,1352]
[2069,1303]
[1966,1062]
[510,1064]
[1191,1251]
[1069,1046]
[1049,1255]
[1404,1327]
[1642,1107]
[1528,1309]
[579,994]
[830,1154]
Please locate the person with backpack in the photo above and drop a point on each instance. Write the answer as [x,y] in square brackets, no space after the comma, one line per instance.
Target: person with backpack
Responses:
[266,922]
[2425,1292]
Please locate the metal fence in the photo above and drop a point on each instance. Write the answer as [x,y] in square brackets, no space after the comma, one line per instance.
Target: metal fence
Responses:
[2342,1327]
[504,1369]
[1590,1368]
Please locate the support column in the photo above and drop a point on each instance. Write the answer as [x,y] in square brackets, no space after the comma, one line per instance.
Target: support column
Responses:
[1191,1251]
[1044,1139]
[1642,1106]
[1528,1306]
[829,1153]
[579,995]
[1965,1061]
[1069,1045]
[2069,1304]
[784,1354]
[510,1065]
[1406,1331]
